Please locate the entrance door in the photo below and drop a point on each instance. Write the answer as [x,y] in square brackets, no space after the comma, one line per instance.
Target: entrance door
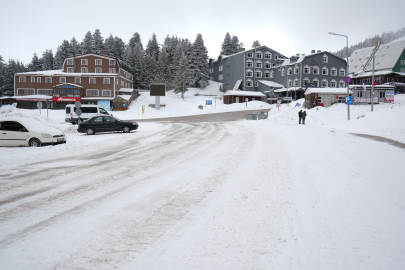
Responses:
[237,100]
[328,101]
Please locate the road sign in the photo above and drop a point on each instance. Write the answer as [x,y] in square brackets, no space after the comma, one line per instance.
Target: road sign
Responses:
[78,112]
[48,103]
[246,99]
[39,105]
[348,100]
[208,102]
[78,104]
[287,98]
[278,105]
[348,80]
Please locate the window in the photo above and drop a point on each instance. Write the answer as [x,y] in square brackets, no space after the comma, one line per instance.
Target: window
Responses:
[378,79]
[306,81]
[220,77]
[296,82]
[98,70]
[333,72]
[78,80]
[84,70]
[122,84]
[92,80]
[267,55]
[258,74]
[112,70]
[282,72]
[333,83]
[325,58]
[32,79]
[91,92]
[249,73]
[324,83]
[249,83]
[62,80]
[106,80]
[22,79]
[402,62]
[112,62]
[98,62]
[47,92]
[316,82]
[324,71]
[259,54]
[70,70]
[221,68]
[48,80]
[267,64]
[267,74]
[276,57]
[106,93]
[306,70]
[341,84]
[402,70]
[84,62]
[382,94]
[315,70]
[296,70]
[250,55]
[249,63]
[289,83]
[289,71]
[342,72]
[258,64]
[39,80]
[26,91]
[257,84]
[70,62]
[272,74]
[359,93]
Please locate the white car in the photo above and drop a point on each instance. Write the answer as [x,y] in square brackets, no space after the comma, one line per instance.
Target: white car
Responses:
[20,131]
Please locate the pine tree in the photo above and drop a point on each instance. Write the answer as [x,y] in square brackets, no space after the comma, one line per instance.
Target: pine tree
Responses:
[63,51]
[138,65]
[87,46]
[182,76]
[135,39]
[75,47]
[47,60]
[226,47]
[235,44]
[34,65]
[198,67]
[162,69]
[118,48]
[153,47]
[97,42]
[109,45]
[256,44]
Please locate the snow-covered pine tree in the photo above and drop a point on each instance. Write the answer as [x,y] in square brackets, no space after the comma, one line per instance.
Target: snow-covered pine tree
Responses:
[162,68]
[47,60]
[153,47]
[256,44]
[226,47]
[118,48]
[135,39]
[34,65]
[149,70]
[75,47]
[138,65]
[63,51]
[235,44]
[109,45]
[87,43]
[97,42]
[12,67]
[182,76]
[199,63]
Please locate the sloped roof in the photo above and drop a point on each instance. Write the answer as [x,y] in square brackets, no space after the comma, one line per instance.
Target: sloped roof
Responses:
[257,48]
[329,90]
[271,84]
[244,93]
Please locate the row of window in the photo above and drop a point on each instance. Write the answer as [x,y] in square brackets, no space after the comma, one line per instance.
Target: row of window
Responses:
[63,80]
[85,62]
[360,94]
[324,83]
[49,92]
[267,55]
[315,70]
[85,70]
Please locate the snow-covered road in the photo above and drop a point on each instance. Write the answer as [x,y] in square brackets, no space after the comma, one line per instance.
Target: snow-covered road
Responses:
[219,195]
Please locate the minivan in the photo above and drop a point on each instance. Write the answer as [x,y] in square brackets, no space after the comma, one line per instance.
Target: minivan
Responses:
[88,111]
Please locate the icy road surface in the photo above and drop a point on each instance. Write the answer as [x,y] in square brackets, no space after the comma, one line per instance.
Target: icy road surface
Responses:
[224,195]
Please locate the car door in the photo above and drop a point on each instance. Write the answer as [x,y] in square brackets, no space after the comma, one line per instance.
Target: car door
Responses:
[98,124]
[13,134]
[110,124]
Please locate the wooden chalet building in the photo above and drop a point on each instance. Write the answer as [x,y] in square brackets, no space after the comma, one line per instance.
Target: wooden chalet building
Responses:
[89,78]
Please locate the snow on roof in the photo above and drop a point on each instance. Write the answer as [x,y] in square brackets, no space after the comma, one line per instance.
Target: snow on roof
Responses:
[337,91]
[290,89]
[244,93]
[33,97]
[59,72]
[257,48]
[126,97]
[272,84]
[376,73]
[129,90]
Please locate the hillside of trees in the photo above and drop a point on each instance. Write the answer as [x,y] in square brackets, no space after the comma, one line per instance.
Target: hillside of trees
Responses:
[177,62]
[385,37]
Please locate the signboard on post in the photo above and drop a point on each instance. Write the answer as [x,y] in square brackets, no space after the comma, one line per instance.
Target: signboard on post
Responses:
[39,106]
[348,100]
[348,80]
[208,102]
[157,90]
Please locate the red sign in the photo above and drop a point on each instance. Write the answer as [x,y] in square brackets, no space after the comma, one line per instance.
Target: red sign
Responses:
[375,83]
[66,99]
[278,105]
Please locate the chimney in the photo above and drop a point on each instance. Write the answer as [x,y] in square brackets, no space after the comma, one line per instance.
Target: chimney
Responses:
[319,50]
[303,54]
[105,53]
[298,54]
[313,51]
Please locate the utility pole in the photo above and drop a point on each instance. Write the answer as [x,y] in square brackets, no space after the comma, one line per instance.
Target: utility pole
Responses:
[372,80]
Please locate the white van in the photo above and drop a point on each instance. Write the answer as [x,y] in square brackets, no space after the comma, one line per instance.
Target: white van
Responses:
[88,111]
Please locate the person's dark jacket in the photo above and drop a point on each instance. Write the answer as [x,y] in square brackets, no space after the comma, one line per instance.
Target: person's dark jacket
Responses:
[304,114]
[300,114]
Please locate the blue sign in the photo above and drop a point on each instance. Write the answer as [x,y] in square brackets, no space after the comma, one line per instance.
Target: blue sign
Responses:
[348,100]
[390,93]
[297,105]
[208,102]
[348,80]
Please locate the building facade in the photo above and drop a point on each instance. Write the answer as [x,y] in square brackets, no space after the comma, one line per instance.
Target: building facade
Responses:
[90,78]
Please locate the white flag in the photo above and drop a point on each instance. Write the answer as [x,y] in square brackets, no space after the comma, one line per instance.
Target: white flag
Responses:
[364,87]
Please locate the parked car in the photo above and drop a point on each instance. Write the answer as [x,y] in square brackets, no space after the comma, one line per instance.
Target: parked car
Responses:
[20,131]
[106,124]
[88,111]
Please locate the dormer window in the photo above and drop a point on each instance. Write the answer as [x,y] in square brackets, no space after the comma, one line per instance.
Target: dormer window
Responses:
[315,70]
[306,70]
[258,64]
[249,73]
[296,70]
[325,58]
[333,72]
[267,64]
[267,55]
[324,71]
[250,55]
[259,54]
[289,71]
[342,72]
[249,63]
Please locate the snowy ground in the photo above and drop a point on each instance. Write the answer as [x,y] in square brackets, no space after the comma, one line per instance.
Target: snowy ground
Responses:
[266,194]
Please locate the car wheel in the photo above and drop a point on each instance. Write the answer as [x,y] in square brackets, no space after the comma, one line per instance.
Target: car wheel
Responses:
[35,143]
[126,129]
[90,131]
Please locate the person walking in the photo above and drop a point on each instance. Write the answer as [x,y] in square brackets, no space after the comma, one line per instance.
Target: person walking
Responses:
[299,117]
[304,115]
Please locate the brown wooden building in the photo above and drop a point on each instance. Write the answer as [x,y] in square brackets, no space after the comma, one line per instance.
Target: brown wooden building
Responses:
[94,79]
[233,96]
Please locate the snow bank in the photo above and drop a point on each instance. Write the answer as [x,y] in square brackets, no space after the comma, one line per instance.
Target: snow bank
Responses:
[11,111]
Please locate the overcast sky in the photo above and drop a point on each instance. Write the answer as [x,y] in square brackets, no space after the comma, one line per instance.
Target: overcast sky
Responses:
[288,27]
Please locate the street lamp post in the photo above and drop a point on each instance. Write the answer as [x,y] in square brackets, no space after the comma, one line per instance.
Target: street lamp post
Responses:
[347,68]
